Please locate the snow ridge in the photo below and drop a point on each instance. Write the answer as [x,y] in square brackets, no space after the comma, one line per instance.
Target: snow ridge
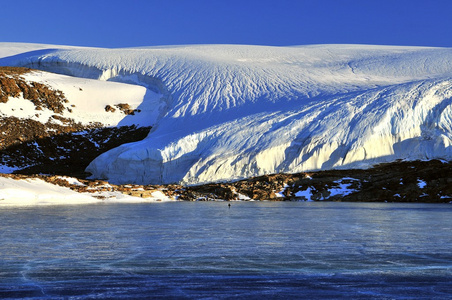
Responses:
[231,112]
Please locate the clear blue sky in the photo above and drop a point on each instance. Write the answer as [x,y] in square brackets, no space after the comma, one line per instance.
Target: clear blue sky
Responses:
[129,23]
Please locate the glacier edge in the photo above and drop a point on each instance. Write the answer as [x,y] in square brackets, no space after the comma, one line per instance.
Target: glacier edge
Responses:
[233,112]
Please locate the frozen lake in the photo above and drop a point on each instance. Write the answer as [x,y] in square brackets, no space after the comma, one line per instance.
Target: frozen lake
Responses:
[205,249]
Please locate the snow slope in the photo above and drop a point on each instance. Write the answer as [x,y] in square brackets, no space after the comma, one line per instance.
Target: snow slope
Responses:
[229,112]
[38,192]
[88,99]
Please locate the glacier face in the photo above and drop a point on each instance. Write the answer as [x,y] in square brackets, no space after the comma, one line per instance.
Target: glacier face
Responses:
[231,112]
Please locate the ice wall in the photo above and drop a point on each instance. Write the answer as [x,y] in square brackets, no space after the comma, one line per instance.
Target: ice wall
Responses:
[240,111]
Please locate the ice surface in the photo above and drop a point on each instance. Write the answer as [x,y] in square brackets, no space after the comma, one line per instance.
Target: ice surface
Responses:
[230,112]
[252,250]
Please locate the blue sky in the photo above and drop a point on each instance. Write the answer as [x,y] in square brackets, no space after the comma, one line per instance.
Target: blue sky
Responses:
[113,23]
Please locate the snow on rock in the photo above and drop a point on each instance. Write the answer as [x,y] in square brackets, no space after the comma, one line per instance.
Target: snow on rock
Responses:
[71,180]
[341,187]
[344,187]
[421,183]
[230,112]
[280,194]
[88,99]
[306,194]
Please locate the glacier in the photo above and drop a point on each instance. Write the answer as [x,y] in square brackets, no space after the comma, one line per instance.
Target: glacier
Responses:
[229,112]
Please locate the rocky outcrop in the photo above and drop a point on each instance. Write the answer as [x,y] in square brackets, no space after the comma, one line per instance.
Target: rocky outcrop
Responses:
[59,145]
[66,153]
[13,85]
[124,107]
[417,181]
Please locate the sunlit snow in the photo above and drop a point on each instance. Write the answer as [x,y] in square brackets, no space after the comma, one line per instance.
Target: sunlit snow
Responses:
[38,192]
[88,99]
[344,187]
[225,112]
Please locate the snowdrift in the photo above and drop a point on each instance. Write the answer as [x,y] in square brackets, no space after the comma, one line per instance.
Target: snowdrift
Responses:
[228,112]
[34,191]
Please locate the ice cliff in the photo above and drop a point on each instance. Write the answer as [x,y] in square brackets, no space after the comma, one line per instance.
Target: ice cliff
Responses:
[230,112]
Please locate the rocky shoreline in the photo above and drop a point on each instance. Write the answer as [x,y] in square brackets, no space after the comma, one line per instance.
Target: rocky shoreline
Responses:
[415,181]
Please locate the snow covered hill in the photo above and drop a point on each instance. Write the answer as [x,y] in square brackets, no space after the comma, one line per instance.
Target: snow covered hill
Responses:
[87,101]
[224,112]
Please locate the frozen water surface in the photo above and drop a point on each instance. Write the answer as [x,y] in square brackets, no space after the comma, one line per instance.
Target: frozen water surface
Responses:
[207,250]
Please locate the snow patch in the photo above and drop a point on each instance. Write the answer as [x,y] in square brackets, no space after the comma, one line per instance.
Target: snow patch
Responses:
[280,194]
[8,170]
[344,187]
[38,192]
[71,180]
[421,183]
[306,194]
